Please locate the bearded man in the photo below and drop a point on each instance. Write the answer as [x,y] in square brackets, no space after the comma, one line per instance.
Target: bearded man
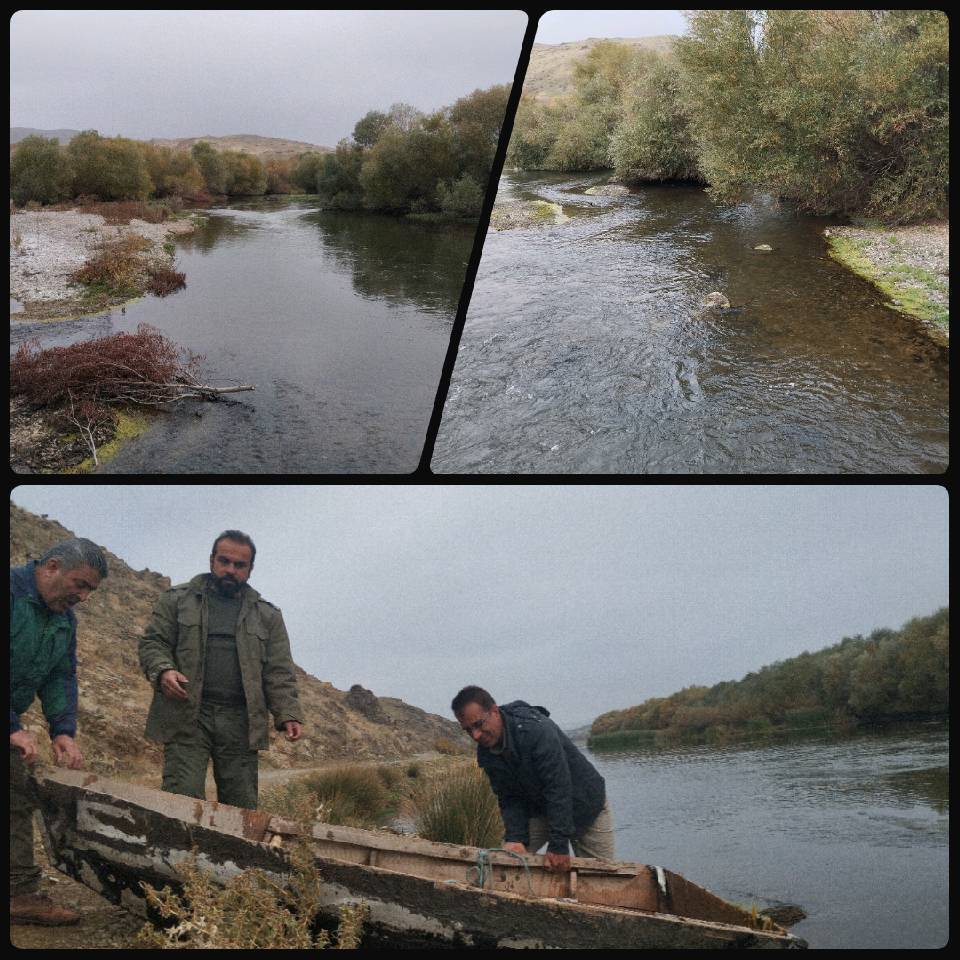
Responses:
[218,658]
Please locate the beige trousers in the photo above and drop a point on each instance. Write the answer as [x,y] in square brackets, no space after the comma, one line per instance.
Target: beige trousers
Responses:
[595,841]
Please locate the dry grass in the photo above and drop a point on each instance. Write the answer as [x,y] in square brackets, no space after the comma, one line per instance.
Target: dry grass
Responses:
[457,805]
[251,912]
[354,796]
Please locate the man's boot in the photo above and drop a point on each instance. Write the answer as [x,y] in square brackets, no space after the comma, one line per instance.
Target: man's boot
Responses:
[39,908]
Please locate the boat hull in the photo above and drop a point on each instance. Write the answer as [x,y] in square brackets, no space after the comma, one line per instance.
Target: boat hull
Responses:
[114,836]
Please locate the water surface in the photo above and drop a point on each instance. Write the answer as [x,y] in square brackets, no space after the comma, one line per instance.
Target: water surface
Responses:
[340,320]
[586,348]
[854,830]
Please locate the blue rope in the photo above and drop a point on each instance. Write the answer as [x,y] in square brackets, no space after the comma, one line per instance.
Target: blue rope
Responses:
[484,867]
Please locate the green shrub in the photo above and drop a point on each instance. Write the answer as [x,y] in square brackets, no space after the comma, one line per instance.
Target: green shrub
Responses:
[458,806]
[39,171]
[110,168]
[652,140]
[462,198]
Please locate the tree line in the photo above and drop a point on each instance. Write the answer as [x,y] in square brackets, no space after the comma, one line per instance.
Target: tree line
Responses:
[838,111]
[890,675]
[401,161]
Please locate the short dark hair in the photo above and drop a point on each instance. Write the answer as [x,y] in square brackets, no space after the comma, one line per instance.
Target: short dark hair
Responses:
[77,552]
[238,536]
[475,695]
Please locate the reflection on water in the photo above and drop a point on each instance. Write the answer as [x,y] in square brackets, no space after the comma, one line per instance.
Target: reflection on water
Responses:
[341,321]
[586,348]
[853,829]
[398,260]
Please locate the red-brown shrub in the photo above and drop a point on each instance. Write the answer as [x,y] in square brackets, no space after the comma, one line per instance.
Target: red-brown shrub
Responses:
[123,366]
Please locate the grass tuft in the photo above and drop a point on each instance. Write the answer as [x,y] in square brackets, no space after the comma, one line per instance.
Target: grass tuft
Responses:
[457,806]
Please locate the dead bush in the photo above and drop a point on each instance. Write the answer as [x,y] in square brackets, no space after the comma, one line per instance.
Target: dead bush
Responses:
[162,279]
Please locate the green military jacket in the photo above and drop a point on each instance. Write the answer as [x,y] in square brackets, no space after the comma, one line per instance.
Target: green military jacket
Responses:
[176,638]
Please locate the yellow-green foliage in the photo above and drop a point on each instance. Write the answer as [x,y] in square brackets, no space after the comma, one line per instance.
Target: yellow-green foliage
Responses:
[110,168]
[457,805]
[252,912]
[128,425]
[39,171]
[888,675]
[835,110]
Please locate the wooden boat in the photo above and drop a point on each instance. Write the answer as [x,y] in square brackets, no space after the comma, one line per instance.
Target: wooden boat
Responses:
[112,835]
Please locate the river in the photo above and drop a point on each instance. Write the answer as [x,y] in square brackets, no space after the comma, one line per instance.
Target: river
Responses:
[852,829]
[341,320]
[586,348]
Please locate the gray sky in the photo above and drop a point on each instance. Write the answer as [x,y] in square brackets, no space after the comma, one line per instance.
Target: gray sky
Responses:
[566,26]
[301,75]
[580,598]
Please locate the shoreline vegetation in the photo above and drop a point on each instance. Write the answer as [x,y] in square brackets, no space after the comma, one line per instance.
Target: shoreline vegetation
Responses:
[835,112]
[888,677]
[910,265]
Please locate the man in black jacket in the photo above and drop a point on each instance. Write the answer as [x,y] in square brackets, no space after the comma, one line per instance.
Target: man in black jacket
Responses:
[547,789]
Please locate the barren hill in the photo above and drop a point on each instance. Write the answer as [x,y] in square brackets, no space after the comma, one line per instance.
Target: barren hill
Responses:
[114,695]
[550,73]
[247,143]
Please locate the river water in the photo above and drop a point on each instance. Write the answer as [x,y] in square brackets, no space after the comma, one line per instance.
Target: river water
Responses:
[854,830]
[586,348]
[341,321]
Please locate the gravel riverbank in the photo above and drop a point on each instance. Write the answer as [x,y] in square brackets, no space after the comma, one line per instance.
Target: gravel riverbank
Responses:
[911,265]
[47,246]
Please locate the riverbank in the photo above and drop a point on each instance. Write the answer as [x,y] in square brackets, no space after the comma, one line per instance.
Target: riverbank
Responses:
[910,265]
[47,247]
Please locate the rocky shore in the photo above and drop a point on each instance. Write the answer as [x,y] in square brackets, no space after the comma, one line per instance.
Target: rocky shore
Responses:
[911,265]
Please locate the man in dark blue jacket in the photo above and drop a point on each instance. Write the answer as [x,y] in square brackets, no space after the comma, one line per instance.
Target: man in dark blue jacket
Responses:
[43,660]
[548,791]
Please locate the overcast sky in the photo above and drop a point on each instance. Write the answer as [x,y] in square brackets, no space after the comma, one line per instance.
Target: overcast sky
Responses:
[580,598]
[566,26]
[300,75]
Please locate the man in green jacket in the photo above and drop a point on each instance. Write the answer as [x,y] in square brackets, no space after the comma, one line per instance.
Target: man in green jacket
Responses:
[218,658]
[43,660]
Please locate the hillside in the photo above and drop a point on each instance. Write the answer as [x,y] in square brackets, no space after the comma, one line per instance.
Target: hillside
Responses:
[247,143]
[18,133]
[114,696]
[265,147]
[550,73]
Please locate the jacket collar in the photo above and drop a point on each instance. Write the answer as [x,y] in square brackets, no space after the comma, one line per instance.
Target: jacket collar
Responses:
[23,583]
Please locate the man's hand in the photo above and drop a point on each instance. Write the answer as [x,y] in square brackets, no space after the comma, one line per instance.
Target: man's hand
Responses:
[65,749]
[514,847]
[293,729]
[170,681]
[558,862]
[26,743]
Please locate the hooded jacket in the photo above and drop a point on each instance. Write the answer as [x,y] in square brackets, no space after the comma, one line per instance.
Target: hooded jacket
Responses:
[43,656]
[176,639]
[539,772]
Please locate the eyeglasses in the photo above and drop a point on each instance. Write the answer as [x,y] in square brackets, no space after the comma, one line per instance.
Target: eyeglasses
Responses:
[476,725]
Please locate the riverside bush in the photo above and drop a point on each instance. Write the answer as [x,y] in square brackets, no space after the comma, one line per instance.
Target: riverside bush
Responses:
[39,171]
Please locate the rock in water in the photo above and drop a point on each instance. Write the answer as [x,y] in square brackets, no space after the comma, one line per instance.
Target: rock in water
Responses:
[765,247]
[717,300]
